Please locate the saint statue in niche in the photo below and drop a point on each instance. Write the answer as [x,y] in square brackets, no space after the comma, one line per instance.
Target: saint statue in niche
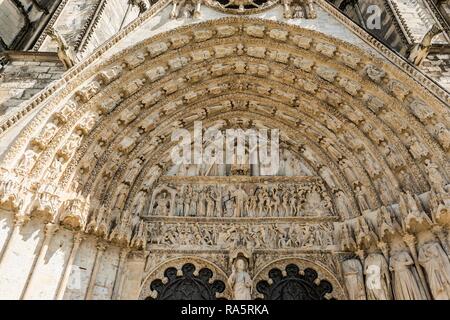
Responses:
[240,281]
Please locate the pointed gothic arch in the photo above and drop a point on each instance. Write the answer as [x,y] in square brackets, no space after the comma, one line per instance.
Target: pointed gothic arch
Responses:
[366,129]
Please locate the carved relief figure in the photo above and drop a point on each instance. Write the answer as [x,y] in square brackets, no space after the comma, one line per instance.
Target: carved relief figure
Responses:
[436,180]
[46,134]
[240,196]
[162,205]
[271,200]
[28,160]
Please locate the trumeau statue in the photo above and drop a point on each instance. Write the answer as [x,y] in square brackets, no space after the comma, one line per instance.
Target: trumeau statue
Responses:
[240,281]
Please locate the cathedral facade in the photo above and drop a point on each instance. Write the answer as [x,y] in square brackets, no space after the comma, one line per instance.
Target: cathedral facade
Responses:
[99,98]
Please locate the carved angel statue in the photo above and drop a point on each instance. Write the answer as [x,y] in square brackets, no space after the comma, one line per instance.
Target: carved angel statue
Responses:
[240,281]
[65,52]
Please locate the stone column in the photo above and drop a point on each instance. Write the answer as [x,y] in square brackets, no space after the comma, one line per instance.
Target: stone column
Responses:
[131,280]
[19,221]
[98,258]
[120,274]
[77,238]
[49,230]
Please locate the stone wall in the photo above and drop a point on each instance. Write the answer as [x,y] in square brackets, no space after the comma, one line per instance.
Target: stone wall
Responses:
[22,21]
[11,21]
[24,75]
[437,66]
[115,15]
[85,25]
[31,268]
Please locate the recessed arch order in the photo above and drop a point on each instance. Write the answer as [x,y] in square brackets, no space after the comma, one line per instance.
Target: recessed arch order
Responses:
[363,125]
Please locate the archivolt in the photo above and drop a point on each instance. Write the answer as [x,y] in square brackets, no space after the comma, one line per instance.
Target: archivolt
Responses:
[341,110]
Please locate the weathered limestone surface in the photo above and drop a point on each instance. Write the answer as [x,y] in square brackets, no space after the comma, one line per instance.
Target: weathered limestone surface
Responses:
[92,206]
[437,66]
[23,76]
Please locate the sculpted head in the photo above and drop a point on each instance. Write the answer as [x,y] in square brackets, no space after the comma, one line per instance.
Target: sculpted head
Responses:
[241,264]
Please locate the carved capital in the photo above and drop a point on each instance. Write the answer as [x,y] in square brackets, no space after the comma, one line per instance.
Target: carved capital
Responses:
[101,247]
[20,220]
[50,229]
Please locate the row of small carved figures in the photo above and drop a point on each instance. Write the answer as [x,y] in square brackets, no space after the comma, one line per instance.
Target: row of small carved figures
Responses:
[254,236]
[263,202]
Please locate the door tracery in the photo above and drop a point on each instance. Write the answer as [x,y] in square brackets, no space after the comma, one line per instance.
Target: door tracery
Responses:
[187,286]
[293,285]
